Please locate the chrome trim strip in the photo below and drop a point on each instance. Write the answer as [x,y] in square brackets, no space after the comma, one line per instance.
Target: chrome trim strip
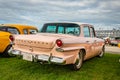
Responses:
[57,60]
[68,49]
[43,57]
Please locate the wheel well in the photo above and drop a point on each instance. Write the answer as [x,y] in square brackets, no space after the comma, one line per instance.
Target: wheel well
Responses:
[103,48]
[7,48]
[84,52]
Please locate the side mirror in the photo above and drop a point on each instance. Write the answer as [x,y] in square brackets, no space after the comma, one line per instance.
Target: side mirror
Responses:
[119,45]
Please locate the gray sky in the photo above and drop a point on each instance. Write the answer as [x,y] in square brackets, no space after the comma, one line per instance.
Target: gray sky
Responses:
[101,13]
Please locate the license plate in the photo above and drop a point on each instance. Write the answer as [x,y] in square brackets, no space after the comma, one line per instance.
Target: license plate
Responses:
[27,57]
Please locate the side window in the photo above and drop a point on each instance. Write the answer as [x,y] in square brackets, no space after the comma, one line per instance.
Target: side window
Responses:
[92,32]
[61,29]
[51,29]
[25,31]
[13,30]
[86,31]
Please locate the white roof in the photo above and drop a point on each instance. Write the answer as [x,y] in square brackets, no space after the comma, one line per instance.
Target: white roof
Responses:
[79,23]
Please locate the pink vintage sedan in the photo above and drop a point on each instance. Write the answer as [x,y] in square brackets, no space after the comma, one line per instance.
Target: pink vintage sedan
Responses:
[60,43]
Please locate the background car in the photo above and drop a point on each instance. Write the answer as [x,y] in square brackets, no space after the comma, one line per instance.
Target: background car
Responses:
[119,45]
[18,28]
[5,42]
[6,35]
[115,41]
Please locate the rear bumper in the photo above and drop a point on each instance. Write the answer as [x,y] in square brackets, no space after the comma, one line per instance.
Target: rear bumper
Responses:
[11,43]
[39,57]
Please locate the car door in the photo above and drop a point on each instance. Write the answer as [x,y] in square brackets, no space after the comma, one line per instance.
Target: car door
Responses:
[89,42]
[95,40]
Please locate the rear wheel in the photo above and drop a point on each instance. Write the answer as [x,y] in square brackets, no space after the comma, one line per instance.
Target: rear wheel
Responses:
[7,50]
[77,65]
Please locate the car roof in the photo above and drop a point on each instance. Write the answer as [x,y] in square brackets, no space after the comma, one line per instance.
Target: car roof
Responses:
[79,23]
[18,26]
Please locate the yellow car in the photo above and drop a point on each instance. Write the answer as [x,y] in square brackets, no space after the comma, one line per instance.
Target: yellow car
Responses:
[6,35]
[18,28]
[119,45]
[5,42]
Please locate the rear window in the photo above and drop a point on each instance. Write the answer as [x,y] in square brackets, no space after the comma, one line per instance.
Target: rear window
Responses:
[9,29]
[13,30]
[62,28]
[3,29]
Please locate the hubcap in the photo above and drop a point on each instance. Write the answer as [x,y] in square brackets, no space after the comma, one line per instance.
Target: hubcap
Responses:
[79,61]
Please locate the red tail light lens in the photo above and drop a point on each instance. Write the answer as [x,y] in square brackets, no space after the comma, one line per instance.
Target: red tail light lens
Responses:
[11,38]
[59,43]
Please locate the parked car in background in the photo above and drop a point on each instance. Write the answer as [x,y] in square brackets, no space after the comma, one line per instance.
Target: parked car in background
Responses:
[115,41]
[119,45]
[6,35]
[60,43]
[18,28]
[5,42]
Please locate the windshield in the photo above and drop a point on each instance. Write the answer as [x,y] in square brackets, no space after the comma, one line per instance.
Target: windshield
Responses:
[61,28]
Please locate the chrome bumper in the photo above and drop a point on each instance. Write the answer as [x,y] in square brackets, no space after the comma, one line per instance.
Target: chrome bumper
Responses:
[39,57]
[11,43]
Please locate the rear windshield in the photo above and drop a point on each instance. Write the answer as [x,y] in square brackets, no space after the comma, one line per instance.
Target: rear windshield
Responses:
[9,29]
[62,28]
[3,29]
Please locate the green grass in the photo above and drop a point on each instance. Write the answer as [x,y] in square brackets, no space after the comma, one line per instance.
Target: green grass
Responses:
[106,68]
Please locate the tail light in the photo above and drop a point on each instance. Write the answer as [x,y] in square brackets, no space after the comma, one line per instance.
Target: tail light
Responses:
[59,43]
[11,38]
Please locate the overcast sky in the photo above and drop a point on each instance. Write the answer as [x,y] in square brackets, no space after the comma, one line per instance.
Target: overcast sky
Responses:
[101,13]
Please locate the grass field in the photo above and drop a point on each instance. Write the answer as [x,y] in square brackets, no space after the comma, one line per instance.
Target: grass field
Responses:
[106,68]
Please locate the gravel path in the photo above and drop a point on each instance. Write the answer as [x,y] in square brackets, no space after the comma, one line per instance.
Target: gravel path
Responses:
[112,49]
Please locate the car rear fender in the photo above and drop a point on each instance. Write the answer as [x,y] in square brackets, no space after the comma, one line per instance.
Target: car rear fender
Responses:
[70,49]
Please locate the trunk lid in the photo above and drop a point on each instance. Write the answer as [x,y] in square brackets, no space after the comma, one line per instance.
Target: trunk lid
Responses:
[41,40]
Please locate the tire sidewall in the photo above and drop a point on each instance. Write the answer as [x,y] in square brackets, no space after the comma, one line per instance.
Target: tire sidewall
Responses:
[5,53]
[102,52]
[79,61]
